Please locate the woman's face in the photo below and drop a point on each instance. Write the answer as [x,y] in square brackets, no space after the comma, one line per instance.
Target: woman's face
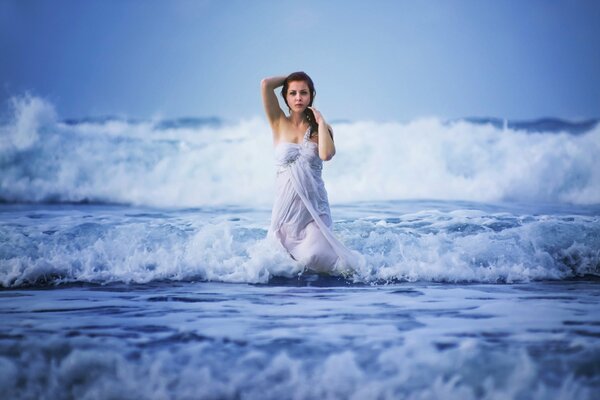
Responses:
[298,96]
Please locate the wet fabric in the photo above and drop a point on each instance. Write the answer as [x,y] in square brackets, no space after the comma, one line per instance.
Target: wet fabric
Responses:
[301,218]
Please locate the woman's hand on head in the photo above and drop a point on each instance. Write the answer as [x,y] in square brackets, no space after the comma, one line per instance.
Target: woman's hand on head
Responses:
[318,117]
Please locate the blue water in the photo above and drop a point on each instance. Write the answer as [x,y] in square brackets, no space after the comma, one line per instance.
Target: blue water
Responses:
[459,300]
[133,262]
[307,338]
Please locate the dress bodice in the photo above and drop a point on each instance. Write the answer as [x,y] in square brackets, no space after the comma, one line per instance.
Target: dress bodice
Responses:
[286,153]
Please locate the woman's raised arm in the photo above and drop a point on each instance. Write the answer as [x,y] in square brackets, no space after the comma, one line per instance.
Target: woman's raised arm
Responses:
[272,109]
[326,145]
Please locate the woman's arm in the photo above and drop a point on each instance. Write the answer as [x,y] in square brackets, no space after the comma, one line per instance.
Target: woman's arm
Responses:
[272,109]
[326,145]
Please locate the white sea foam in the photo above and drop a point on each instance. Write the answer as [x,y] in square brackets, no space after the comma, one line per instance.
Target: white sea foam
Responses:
[88,244]
[116,161]
[82,368]
[138,253]
[179,165]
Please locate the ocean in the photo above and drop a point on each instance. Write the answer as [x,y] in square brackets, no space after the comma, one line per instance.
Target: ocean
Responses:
[134,264]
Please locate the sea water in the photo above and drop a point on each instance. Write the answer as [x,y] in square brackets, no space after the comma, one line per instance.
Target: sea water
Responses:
[133,262]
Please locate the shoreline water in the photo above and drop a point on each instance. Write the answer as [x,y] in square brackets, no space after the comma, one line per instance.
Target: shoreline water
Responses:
[209,339]
[461,300]
[435,241]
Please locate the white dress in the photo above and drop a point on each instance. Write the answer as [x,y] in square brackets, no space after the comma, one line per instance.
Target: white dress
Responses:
[301,219]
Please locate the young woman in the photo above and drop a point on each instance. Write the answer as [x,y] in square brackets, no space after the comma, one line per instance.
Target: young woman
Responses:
[301,219]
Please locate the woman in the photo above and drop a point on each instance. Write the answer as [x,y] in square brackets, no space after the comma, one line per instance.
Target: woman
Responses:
[301,219]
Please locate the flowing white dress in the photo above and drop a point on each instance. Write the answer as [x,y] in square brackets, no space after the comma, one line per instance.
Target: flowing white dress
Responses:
[301,219]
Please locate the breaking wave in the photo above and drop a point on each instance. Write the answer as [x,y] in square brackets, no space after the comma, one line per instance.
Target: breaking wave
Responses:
[196,162]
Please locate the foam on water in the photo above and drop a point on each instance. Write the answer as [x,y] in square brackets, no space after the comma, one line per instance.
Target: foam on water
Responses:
[86,243]
[383,332]
[207,340]
[194,163]
[85,369]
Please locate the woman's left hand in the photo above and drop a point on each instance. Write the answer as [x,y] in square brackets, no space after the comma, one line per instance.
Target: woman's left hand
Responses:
[318,117]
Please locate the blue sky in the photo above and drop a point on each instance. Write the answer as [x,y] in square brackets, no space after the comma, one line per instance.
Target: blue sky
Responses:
[376,60]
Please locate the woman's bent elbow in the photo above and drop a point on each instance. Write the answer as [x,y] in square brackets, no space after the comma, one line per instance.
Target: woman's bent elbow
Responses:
[327,156]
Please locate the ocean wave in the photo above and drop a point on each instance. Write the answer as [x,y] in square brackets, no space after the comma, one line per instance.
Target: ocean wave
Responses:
[193,162]
[92,245]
